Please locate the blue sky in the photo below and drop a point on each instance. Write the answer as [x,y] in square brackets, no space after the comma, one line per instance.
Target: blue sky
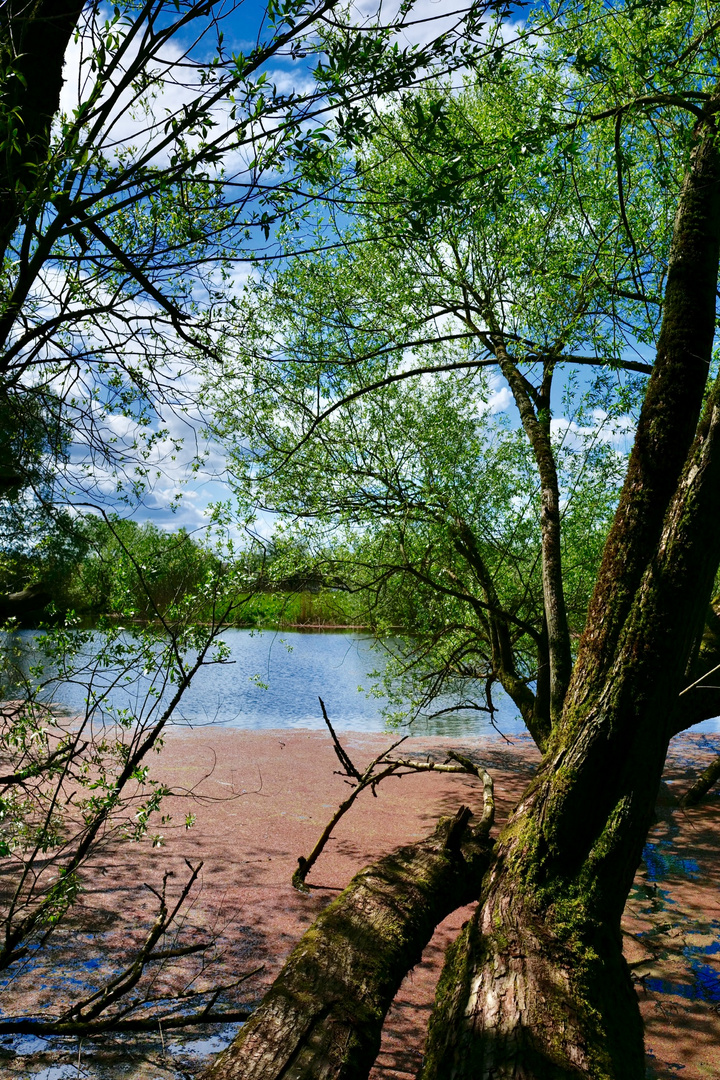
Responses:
[241,25]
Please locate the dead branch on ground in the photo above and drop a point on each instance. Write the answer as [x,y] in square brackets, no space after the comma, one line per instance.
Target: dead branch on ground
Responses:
[112,1008]
[379,769]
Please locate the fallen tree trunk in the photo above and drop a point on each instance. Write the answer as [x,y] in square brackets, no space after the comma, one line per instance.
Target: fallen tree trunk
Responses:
[322,1017]
[699,789]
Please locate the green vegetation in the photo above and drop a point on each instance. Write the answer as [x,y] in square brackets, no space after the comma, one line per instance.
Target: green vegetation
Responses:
[536,236]
[415,426]
[132,191]
[94,567]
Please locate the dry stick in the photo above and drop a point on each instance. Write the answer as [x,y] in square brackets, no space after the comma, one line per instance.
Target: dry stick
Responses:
[122,984]
[86,1017]
[122,1021]
[339,749]
[26,1026]
[369,778]
[364,780]
[305,864]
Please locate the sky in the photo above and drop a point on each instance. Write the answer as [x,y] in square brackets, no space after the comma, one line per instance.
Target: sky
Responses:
[177,496]
[172,500]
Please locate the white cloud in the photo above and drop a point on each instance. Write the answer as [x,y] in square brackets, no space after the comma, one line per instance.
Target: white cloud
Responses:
[500,401]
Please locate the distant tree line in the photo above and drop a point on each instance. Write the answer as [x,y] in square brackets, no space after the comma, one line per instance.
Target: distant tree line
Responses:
[94,567]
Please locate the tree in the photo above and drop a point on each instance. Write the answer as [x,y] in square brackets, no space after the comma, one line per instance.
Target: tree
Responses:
[122,214]
[138,570]
[418,498]
[618,102]
[127,198]
[346,430]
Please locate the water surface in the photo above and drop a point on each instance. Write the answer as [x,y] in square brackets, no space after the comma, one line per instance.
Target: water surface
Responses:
[274,680]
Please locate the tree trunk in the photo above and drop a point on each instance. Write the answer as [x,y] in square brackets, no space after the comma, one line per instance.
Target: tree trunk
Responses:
[322,1018]
[537,987]
[516,1001]
[671,410]
[697,791]
[34,35]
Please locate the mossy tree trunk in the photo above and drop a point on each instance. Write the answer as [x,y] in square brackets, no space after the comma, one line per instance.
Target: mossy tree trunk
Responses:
[536,987]
[322,1018]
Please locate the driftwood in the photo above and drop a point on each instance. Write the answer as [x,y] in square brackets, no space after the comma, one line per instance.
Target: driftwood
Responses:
[380,768]
[702,785]
[322,1017]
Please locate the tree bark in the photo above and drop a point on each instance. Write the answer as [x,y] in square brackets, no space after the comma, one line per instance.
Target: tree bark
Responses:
[515,1001]
[671,410]
[534,707]
[536,425]
[700,699]
[34,36]
[322,1018]
[537,987]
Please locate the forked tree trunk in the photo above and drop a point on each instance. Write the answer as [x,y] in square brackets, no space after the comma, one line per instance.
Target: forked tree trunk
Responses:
[322,1018]
[536,988]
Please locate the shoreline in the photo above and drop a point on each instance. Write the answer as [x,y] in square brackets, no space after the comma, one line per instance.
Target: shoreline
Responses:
[261,798]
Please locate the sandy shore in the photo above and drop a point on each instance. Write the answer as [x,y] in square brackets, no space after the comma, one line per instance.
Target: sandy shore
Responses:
[260,799]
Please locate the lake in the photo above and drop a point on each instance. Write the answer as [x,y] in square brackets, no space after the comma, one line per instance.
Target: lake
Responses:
[274,681]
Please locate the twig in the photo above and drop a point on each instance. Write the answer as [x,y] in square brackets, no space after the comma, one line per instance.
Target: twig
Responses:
[342,755]
[26,1026]
[93,1006]
[390,767]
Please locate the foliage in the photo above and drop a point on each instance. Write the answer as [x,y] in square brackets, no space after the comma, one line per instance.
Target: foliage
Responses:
[138,571]
[129,199]
[94,567]
[370,411]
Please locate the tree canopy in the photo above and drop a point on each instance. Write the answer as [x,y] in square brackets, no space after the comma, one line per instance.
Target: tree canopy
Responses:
[147,151]
[543,230]
[560,213]
[474,259]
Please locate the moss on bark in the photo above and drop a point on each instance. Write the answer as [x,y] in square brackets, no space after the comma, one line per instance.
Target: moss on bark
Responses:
[322,1018]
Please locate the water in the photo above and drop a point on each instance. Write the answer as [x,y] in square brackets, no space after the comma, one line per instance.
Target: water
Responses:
[274,681]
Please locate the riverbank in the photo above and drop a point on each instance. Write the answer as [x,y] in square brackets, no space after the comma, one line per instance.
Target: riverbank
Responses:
[260,800]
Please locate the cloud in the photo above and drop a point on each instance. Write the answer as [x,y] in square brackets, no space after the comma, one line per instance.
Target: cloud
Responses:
[614,431]
[137,118]
[500,401]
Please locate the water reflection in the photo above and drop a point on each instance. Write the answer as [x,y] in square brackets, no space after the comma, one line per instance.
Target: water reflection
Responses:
[274,680]
[693,978]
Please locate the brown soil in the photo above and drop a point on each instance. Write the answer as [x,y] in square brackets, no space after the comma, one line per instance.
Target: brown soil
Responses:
[260,800]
